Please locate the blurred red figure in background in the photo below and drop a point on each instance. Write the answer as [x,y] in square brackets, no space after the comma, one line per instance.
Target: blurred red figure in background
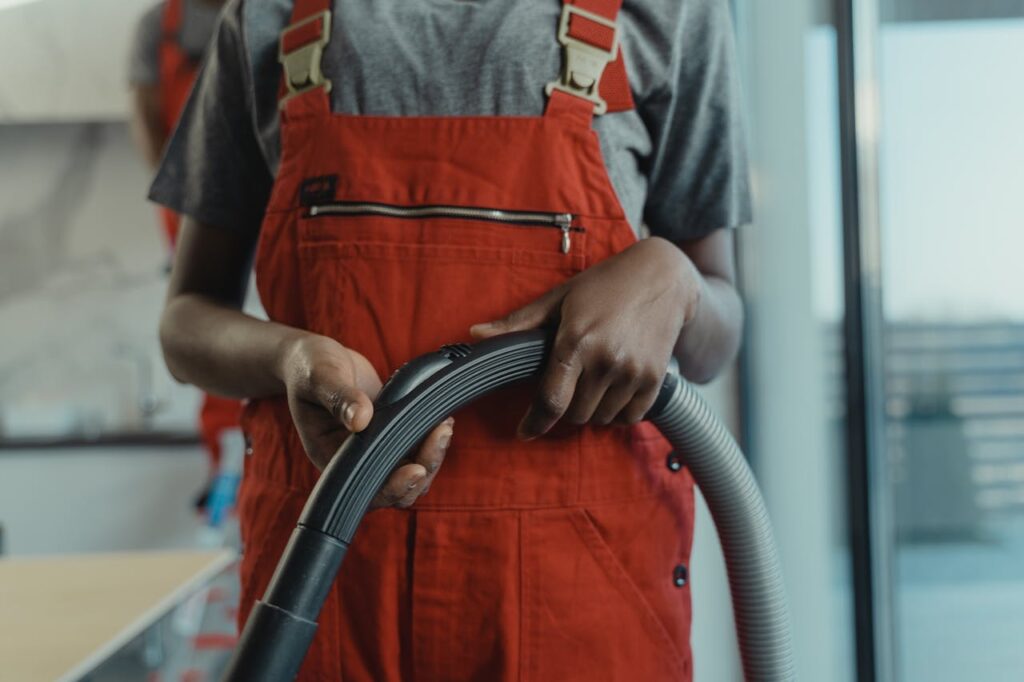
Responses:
[168,49]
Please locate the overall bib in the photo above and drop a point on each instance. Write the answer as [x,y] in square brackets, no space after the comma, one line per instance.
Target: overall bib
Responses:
[559,559]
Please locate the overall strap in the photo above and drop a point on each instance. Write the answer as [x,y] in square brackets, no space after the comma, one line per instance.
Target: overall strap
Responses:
[593,80]
[170,22]
[301,49]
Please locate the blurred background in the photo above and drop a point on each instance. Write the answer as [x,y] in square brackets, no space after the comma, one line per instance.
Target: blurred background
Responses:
[880,394]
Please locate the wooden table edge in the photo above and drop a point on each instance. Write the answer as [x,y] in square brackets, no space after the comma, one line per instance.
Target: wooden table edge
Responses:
[219,562]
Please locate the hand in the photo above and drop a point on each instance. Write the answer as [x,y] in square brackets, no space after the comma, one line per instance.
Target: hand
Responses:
[618,323]
[330,394]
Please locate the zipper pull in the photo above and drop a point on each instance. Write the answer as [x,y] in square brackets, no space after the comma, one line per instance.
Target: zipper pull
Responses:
[564,222]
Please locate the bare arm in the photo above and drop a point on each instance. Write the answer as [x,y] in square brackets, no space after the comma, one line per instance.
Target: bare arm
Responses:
[147,125]
[711,339]
[207,340]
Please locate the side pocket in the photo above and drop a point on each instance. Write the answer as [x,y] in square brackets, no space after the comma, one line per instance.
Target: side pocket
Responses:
[585,615]
[627,587]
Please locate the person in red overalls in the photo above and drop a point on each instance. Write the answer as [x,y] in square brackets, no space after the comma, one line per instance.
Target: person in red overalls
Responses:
[169,44]
[414,174]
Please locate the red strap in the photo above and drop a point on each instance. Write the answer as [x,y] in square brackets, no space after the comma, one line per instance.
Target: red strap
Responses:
[304,9]
[575,110]
[614,85]
[609,9]
[302,35]
[292,39]
[171,20]
[589,31]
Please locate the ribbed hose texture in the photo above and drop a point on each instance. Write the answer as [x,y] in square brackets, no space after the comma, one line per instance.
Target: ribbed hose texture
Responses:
[755,577]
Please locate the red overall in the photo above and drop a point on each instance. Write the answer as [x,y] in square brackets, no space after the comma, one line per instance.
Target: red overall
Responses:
[177,74]
[545,561]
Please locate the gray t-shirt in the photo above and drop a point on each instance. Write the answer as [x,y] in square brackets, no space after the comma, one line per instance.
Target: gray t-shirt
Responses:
[198,21]
[678,161]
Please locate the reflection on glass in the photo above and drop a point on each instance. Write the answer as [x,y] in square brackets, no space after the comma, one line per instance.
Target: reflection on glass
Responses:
[826,263]
[950,169]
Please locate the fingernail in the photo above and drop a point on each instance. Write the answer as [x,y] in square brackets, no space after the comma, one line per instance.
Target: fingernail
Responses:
[450,421]
[445,441]
[350,413]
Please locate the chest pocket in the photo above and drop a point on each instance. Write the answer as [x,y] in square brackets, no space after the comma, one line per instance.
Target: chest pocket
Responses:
[395,282]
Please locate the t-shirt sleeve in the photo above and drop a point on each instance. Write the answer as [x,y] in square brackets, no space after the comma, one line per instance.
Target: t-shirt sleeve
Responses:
[699,178]
[144,58]
[214,169]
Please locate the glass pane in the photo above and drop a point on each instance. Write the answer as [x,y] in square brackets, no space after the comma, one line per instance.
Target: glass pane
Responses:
[952,145]
[791,264]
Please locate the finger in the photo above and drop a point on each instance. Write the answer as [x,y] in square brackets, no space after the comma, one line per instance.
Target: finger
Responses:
[434,447]
[557,386]
[409,481]
[431,455]
[349,405]
[528,317]
[642,401]
[403,482]
[590,391]
[615,400]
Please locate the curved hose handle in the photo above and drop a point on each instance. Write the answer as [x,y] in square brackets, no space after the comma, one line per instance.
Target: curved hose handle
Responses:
[415,400]
[417,397]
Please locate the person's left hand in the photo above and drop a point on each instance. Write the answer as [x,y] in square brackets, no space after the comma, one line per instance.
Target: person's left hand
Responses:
[618,323]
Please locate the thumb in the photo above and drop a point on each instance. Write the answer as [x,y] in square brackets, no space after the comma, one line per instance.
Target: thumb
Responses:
[346,403]
[530,316]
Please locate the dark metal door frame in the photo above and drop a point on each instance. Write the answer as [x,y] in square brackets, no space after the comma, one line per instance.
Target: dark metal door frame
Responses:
[870,539]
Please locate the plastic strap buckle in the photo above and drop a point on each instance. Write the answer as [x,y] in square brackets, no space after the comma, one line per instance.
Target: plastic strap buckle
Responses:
[583,63]
[302,71]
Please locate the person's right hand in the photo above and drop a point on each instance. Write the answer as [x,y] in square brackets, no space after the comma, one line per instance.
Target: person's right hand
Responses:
[330,394]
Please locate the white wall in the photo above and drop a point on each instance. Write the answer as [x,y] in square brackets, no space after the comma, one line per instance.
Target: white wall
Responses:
[99,499]
[65,60]
[82,281]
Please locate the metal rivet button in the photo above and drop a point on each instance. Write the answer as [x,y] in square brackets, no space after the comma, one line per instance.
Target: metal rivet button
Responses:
[679,575]
[675,462]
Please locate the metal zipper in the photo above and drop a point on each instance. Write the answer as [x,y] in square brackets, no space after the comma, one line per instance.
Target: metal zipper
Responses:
[561,221]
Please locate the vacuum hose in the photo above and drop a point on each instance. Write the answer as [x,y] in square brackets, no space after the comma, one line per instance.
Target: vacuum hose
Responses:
[417,398]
